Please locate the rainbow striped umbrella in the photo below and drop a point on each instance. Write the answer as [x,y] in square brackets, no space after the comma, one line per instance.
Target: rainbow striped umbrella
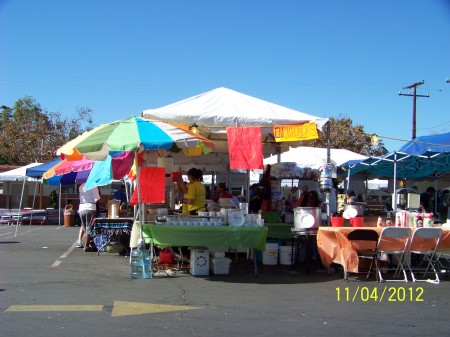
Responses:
[131,134]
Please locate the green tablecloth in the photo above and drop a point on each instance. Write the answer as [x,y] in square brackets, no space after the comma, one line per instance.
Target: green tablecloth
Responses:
[207,236]
[280,231]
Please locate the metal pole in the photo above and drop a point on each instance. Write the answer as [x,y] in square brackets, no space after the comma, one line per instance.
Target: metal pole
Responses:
[327,194]
[395,183]
[20,205]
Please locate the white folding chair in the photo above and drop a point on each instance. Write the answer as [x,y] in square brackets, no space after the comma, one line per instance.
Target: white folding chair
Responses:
[424,242]
[393,241]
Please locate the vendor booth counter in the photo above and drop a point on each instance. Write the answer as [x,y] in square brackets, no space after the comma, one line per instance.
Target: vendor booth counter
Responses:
[202,236]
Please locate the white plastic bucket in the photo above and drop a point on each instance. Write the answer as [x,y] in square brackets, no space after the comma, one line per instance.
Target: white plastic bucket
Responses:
[285,255]
[270,255]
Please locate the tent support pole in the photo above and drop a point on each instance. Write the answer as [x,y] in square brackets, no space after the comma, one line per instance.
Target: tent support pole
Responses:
[32,206]
[20,204]
[395,183]
[327,194]
[140,208]
[59,205]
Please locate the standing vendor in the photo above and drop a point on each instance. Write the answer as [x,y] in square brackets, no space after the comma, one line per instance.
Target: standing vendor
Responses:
[194,192]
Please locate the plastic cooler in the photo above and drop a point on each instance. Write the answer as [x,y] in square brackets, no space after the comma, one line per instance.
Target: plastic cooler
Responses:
[219,265]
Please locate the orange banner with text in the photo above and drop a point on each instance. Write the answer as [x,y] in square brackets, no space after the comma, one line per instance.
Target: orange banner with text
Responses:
[288,133]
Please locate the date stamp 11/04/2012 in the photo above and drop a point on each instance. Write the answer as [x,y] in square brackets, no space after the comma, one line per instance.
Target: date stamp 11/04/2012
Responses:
[381,294]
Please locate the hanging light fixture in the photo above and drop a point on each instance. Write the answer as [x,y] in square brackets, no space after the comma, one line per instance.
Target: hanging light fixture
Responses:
[374,140]
[194,128]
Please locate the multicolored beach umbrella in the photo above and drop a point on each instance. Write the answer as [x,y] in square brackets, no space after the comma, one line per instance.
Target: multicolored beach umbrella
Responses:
[131,134]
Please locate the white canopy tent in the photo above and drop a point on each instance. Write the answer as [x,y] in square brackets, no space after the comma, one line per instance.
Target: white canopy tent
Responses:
[19,174]
[215,110]
[314,157]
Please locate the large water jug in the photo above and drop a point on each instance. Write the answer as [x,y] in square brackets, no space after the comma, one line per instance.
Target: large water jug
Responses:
[141,267]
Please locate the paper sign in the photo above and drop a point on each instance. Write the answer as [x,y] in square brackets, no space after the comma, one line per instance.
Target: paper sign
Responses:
[245,148]
[288,133]
[152,183]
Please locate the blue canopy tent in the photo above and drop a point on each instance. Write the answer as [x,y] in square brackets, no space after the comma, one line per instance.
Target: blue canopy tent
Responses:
[425,157]
[62,180]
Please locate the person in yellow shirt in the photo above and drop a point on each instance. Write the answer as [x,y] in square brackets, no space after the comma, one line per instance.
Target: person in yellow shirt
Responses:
[194,192]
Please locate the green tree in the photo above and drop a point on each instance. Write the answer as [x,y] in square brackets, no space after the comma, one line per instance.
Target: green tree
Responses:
[344,135]
[29,134]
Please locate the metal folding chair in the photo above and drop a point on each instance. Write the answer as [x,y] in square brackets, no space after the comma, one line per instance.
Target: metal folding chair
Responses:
[369,250]
[424,242]
[394,241]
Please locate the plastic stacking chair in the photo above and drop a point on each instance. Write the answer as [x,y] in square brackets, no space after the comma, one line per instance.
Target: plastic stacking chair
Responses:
[424,242]
[443,260]
[394,241]
[369,252]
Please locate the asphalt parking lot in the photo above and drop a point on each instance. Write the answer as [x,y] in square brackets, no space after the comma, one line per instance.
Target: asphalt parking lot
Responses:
[50,288]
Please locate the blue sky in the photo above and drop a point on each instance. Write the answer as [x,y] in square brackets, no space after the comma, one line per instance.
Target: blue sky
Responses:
[326,57]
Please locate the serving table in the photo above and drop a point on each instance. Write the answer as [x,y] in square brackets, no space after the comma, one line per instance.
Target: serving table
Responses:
[116,230]
[334,247]
[202,236]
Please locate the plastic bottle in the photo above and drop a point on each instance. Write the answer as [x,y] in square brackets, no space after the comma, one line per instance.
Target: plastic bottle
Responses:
[388,220]
[380,222]
[419,220]
[141,267]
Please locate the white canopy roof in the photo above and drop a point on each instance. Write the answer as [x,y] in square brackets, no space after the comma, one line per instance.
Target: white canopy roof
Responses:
[225,107]
[18,174]
[217,109]
[314,157]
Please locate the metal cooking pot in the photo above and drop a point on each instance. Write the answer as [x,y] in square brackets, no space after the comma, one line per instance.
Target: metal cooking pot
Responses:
[303,217]
[359,208]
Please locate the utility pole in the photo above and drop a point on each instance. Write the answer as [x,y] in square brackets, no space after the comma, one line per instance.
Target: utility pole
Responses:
[414,95]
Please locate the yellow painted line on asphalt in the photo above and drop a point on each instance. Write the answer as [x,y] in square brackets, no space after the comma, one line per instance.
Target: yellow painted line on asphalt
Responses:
[51,307]
[122,308]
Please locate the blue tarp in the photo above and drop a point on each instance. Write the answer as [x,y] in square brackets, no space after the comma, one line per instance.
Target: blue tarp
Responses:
[425,157]
[39,170]
[427,144]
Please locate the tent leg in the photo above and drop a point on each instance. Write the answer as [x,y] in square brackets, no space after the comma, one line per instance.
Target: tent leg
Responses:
[20,205]
[59,206]
[32,206]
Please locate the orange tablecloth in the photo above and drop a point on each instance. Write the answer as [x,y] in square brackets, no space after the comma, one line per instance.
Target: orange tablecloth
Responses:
[334,247]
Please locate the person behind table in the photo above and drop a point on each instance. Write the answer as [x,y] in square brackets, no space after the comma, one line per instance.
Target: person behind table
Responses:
[303,199]
[313,199]
[87,211]
[443,204]
[350,197]
[221,192]
[120,195]
[255,200]
[427,200]
[194,192]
